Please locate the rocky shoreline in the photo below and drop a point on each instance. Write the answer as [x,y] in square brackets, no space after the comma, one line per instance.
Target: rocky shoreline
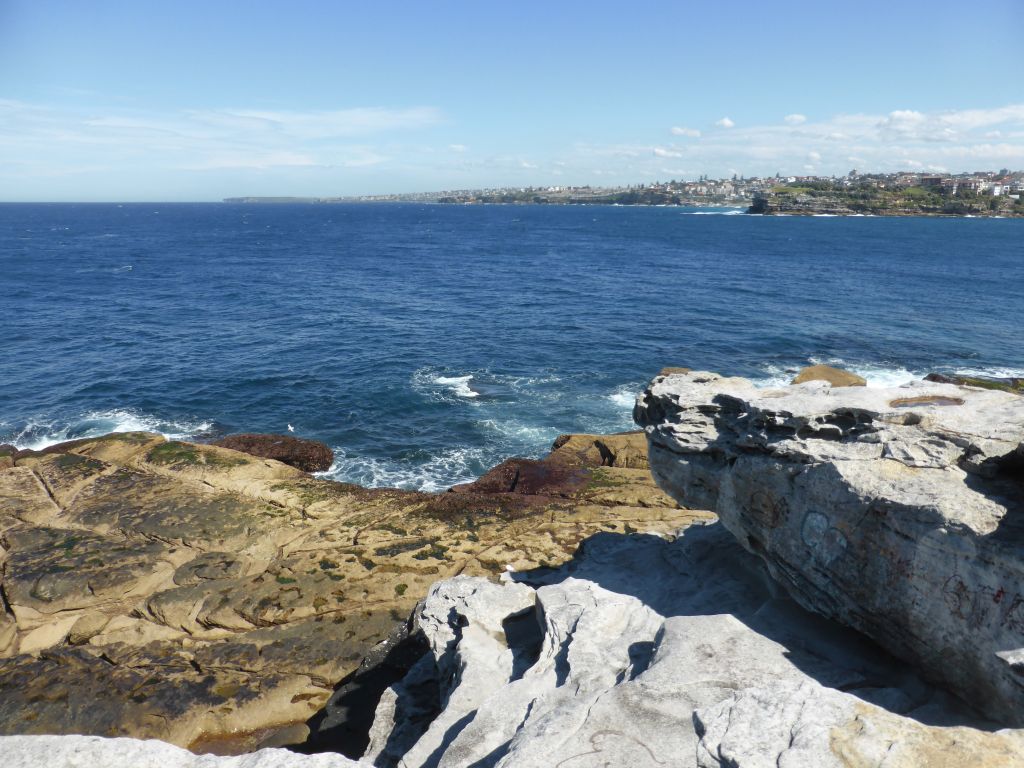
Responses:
[849,598]
[214,600]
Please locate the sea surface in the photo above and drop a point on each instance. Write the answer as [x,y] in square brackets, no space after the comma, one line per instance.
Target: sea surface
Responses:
[426,343]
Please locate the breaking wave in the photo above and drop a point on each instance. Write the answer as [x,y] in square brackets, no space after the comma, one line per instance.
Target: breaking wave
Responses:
[41,432]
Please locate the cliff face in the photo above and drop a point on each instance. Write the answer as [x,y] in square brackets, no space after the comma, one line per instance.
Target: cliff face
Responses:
[212,599]
[898,512]
[840,202]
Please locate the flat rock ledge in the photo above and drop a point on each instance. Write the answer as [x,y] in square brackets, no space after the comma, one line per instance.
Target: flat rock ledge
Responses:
[898,512]
[213,600]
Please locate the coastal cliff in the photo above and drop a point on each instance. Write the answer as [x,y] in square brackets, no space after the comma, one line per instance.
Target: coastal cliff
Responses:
[822,199]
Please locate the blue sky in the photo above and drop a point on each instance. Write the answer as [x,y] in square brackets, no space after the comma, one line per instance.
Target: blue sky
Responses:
[139,100]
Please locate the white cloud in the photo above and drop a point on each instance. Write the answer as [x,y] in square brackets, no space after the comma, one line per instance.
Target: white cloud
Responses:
[956,140]
[254,161]
[725,122]
[526,164]
[361,121]
[458,147]
[52,141]
[795,119]
[678,130]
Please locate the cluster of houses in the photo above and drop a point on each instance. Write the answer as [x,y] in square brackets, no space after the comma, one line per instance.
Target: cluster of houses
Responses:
[737,190]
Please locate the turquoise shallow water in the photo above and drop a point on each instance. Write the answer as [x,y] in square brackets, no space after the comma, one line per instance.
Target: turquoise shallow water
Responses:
[427,343]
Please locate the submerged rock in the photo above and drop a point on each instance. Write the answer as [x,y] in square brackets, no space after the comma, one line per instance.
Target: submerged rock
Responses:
[307,455]
[899,512]
[649,652]
[213,600]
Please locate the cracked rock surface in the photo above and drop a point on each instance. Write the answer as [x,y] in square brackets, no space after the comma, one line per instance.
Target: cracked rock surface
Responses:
[213,600]
[648,652]
[898,512]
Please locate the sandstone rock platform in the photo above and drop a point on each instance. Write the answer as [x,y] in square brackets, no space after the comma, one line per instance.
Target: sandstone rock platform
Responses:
[214,600]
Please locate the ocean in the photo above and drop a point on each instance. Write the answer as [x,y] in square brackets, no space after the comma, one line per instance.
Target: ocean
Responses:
[426,343]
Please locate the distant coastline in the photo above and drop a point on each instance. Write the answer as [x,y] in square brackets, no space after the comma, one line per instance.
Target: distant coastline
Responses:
[982,193]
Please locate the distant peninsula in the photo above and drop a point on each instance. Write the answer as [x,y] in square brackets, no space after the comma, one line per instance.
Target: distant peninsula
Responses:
[982,193]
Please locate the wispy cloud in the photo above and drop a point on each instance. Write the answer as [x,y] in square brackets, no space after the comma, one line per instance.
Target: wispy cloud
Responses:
[907,138]
[47,140]
[219,152]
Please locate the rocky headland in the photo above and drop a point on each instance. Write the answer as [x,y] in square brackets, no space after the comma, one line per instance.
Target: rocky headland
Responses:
[850,596]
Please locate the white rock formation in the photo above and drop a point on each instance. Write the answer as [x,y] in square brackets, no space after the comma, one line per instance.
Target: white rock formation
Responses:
[803,725]
[98,752]
[654,653]
[899,512]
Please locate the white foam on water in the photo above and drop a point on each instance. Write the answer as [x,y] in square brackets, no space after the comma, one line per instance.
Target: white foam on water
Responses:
[40,432]
[876,374]
[994,372]
[522,433]
[440,472]
[624,397]
[458,385]
[733,212]
[432,383]
[880,375]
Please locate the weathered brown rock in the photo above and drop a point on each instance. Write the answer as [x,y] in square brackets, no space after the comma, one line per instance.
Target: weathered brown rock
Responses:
[201,596]
[837,377]
[1007,384]
[298,452]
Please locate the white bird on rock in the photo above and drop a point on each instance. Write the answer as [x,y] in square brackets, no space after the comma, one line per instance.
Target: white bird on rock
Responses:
[291,428]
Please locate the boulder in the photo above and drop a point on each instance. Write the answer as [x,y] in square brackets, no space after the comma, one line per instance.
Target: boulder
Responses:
[898,512]
[645,651]
[837,377]
[298,452]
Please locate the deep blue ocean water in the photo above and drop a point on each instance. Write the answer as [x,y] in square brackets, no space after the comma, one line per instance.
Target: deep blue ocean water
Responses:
[426,343]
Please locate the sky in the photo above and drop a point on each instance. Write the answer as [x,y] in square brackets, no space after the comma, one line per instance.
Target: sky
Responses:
[135,100]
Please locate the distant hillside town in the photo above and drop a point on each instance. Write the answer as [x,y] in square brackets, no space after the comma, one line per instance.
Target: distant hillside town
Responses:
[978,193]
